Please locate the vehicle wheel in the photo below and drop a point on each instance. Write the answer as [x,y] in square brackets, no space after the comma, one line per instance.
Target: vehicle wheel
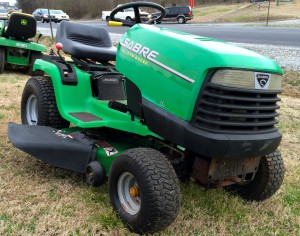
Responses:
[34,55]
[38,105]
[42,20]
[181,20]
[144,190]
[107,18]
[2,60]
[95,174]
[128,18]
[267,180]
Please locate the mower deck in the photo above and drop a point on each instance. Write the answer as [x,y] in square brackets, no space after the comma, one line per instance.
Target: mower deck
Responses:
[71,151]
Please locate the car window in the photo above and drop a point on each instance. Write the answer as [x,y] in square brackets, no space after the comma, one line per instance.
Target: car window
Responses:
[173,11]
[57,12]
[3,11]
[183,10]
[128,9]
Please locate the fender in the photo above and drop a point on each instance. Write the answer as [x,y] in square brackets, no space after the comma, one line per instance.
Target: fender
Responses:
[69,98]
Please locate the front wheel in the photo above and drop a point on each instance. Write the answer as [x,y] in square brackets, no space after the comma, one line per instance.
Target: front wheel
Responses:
[267,180]
[38,104]
[144,190]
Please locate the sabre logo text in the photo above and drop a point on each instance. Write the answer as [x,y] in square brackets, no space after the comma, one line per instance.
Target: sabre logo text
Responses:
[139,49]
[262,80]
[150,55]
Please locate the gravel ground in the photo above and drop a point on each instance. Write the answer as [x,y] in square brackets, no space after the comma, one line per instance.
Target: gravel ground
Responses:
[287,57]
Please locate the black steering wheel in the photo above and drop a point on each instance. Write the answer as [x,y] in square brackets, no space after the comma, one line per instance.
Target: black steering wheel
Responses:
[138,19]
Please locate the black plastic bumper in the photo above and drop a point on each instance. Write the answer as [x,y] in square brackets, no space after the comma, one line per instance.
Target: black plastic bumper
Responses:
[214,145]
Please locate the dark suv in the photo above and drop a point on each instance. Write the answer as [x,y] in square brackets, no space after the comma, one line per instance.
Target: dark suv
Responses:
[180,14]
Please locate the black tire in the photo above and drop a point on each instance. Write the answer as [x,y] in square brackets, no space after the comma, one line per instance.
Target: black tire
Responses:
[128,18]
[2,60]
[107,19]
[181,20]
[34,55]
[152,179]
[42,20]
[95,174]
[38,104]
[267,180]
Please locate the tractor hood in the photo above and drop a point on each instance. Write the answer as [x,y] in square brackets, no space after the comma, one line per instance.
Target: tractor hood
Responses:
[164,63]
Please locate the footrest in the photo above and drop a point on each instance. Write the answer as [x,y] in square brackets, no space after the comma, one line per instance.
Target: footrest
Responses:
[85,116]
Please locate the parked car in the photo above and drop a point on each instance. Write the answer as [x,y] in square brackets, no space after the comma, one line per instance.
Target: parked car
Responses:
[3,14]
[59,15]
[42,14]
[180,14]
[126,14]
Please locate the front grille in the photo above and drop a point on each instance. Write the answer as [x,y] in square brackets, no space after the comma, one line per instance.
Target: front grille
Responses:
[224,109]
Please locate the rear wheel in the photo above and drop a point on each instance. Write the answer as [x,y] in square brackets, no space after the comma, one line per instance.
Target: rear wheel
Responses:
[42,20]
[144,190]
[267,180]
[181,20]
[128,18]
[2,60]
[38,104]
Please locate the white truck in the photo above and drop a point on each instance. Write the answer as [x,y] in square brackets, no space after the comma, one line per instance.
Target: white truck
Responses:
[126,14]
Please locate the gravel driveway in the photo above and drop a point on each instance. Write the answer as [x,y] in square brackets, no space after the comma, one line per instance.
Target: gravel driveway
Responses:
[287,57]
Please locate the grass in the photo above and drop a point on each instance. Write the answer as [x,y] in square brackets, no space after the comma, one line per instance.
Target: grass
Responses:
[247,12]
[37,199]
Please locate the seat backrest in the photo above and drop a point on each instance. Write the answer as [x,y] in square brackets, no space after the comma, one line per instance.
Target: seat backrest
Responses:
[88,35]
[21,25]
[85,41]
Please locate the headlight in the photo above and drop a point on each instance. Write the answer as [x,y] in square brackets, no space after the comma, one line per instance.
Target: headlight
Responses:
[251,80]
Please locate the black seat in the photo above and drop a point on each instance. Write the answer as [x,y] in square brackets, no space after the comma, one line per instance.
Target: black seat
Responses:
[85,41]
[20,26]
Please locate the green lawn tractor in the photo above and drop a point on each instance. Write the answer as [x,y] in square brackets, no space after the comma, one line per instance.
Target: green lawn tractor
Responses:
[16,51]
[172,106]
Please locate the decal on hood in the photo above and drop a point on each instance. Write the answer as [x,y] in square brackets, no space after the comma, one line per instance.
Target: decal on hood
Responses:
[150,55]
